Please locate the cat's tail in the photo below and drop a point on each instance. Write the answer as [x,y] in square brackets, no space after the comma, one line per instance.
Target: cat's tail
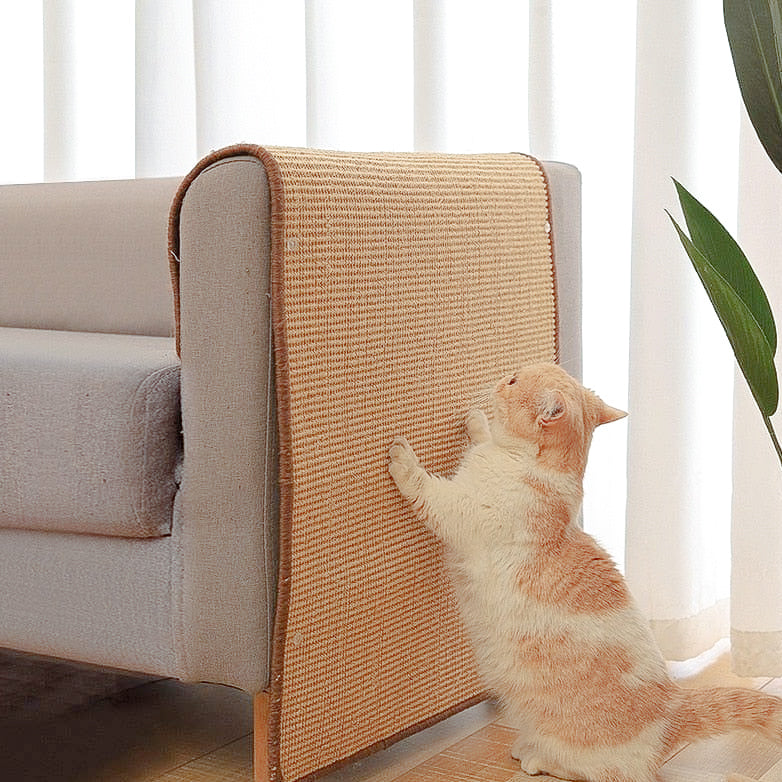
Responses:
[701,713]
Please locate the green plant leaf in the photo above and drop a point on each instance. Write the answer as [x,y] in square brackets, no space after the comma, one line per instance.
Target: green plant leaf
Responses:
[723,253]
[750,346]
[754,30]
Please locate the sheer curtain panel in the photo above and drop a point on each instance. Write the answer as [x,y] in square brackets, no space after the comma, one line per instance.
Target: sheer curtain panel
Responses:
[756,579]
[88,89]
[679,471]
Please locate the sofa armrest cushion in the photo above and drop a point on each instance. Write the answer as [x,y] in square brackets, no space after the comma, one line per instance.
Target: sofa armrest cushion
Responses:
[90,430]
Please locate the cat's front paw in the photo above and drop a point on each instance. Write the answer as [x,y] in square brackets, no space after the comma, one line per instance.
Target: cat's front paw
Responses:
[533,763]
[403,466]
[477,427]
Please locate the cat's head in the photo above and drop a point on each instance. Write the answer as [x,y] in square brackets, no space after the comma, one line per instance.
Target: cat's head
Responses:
[542,405]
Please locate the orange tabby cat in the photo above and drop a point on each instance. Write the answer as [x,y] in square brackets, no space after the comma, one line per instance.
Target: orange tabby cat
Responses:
[556,634]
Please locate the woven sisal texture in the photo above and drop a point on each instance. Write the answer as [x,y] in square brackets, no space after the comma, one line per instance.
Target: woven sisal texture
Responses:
[403,285]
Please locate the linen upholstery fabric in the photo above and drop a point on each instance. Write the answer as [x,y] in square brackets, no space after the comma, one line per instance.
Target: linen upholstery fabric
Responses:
[228,497]
[93,598]
[91,432]
[564,185]
[86,256]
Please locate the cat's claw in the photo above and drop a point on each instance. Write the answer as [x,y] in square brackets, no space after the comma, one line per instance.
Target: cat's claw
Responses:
[402,451]
[403,464]
[477,427]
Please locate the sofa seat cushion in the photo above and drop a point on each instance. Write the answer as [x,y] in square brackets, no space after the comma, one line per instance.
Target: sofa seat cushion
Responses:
[90,433]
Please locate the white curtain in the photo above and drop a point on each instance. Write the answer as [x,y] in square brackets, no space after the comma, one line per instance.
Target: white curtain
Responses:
[678,554]
[756,591]
[631,93]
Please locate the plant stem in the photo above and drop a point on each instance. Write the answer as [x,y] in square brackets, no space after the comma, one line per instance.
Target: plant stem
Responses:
[773,434]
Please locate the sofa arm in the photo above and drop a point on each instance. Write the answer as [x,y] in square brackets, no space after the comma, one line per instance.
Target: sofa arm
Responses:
[226,510]
[565,194]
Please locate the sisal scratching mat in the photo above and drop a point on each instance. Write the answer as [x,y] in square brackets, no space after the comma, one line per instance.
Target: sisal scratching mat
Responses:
[403,286]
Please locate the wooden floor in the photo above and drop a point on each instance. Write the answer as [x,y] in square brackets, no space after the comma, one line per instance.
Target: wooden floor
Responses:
[136,730]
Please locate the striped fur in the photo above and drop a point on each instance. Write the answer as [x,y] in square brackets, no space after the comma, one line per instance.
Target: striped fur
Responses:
[556,633]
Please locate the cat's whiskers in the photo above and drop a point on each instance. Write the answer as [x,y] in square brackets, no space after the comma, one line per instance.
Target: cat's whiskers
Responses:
[480,398]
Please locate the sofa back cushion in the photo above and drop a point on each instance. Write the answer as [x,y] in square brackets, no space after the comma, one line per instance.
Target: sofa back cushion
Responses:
[90,432]
[87,256]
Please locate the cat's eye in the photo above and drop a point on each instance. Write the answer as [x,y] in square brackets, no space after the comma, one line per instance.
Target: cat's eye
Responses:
[512,380]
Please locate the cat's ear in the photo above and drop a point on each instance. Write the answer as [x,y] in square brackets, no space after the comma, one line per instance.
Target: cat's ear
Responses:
[606,414]
[551,407]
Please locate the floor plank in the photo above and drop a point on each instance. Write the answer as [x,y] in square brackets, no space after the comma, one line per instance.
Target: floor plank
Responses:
[736,753]
[232,763]
[402,757]
[138,736]
[166,731]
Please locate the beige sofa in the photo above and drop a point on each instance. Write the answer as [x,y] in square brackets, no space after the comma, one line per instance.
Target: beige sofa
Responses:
[138,495]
